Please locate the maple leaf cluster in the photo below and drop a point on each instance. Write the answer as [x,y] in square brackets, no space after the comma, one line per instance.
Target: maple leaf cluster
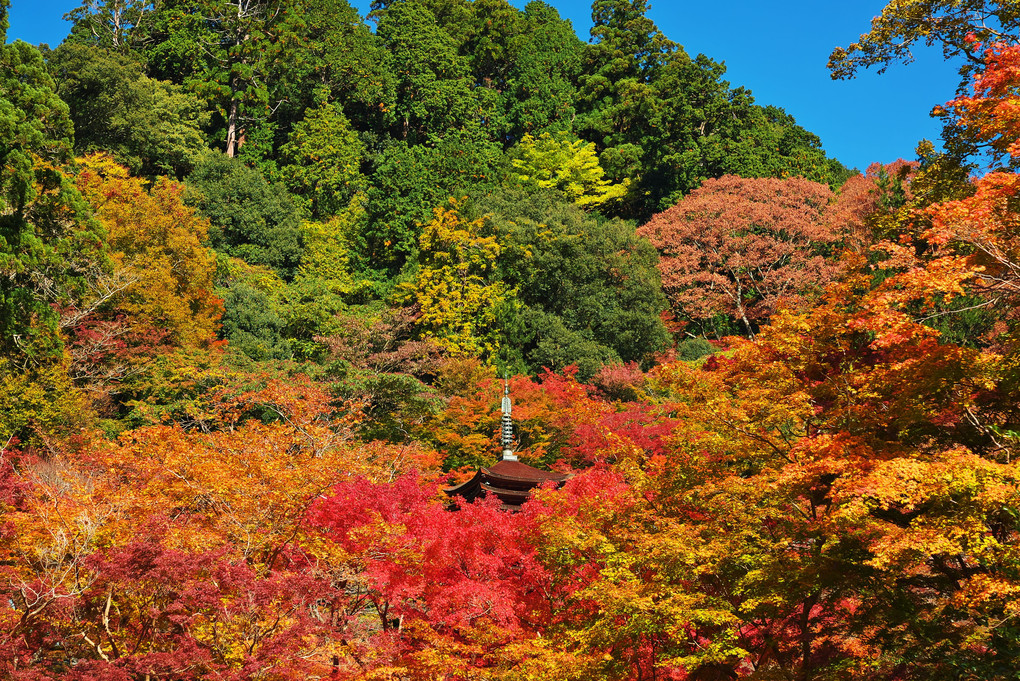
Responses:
[831,491]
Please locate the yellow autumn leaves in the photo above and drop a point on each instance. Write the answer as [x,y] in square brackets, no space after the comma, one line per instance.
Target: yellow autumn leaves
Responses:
[454,290]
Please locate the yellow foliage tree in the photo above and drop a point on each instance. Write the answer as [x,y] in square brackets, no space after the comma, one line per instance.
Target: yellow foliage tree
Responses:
[163,275]
[570,166]
[454,294]
[328,247]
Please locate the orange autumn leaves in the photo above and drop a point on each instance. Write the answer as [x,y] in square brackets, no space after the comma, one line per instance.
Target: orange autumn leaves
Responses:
[155,295]
[835,498]
[163,270]
[817,499]
[817,507]
[990,114]
[181,553]
[743,248]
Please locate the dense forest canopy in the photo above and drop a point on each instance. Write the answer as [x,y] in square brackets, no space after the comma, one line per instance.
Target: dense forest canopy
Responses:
[290,124]
[268,266]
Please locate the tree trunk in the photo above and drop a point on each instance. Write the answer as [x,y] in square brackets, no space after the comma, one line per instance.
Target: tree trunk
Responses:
[232,120]
[738,298]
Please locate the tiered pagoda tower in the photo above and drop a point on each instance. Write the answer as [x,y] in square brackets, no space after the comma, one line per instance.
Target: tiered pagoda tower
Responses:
[508,479]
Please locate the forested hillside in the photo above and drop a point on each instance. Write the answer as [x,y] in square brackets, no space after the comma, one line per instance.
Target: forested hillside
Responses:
[266,267]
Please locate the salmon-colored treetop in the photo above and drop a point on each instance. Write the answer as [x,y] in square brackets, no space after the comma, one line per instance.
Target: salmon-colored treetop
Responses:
[739,247]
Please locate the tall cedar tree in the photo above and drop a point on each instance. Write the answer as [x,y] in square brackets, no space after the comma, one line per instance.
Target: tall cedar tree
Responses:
[48,243]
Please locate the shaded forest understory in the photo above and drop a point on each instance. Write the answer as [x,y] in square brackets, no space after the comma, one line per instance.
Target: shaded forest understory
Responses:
[264,266]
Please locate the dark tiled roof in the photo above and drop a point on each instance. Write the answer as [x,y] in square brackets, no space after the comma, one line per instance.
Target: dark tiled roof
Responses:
[515,470]
[510,481]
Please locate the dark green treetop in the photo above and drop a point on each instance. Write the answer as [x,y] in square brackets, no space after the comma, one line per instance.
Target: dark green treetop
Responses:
[48,240]
[587,288]
[323,161]
[250,218]
[153,127]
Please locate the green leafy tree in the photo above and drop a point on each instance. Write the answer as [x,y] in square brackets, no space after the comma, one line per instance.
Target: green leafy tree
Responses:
[800,151]
[770,143]
[250,218]
[329,251]
[310,308]
[253,323]
[627,53]
[258,66]
[266,318]
[42,400]
[693,349]
[698,118]
[48,243]
[522,63]
[323,161]
[153,127]
[342,61]
[453,16]
[492,27]
[120,25]
[616,92]
[50,248]
[668,121]
[709,130]
[409,181]
[549,343]
[432,88]
[327,281]
[587,290]
[230,52]
[337,62]
[544,64]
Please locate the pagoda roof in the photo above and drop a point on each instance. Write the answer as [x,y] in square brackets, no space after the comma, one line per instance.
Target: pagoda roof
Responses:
[510,481]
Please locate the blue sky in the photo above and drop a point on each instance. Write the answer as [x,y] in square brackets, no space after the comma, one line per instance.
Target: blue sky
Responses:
[776,49]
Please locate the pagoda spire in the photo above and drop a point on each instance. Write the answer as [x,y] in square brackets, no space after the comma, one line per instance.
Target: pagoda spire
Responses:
[506,437]
[509,480]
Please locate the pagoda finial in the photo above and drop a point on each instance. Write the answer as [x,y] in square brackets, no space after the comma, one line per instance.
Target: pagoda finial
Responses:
[506,438]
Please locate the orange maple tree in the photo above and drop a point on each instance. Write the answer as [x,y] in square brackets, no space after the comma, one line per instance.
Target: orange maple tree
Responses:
[741,247]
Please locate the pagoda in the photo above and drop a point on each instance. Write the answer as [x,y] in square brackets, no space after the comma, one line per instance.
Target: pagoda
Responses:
[508,479]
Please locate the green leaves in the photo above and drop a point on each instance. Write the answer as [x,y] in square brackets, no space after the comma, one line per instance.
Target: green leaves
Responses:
[433,91]
[323,161]
[667,121]
[410,181]
[153,127]
[47,240]
[904,24]
[250,218]
[587,291]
